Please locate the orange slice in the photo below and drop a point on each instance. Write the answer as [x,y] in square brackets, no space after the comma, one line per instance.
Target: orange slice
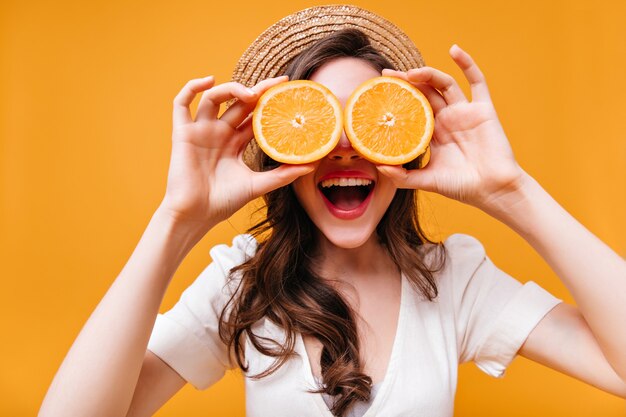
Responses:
[388,121]
[297,122]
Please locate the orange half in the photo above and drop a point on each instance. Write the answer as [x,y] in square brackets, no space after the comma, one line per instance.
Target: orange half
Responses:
[388,121]
[297,122]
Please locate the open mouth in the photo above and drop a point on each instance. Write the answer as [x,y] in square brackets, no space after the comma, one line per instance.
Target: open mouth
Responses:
[346,194]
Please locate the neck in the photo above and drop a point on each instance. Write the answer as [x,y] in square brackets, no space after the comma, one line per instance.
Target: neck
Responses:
[353,264]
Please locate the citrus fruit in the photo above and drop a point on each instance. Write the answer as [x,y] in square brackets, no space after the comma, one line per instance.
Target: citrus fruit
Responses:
[297,122]
[388,121]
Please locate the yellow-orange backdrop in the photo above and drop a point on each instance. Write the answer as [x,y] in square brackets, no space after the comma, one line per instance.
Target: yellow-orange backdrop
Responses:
[86,99]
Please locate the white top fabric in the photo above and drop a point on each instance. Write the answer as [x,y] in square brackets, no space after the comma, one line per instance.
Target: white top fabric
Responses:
[481,314]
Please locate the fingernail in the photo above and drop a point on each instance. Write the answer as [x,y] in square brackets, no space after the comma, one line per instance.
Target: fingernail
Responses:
[250,91]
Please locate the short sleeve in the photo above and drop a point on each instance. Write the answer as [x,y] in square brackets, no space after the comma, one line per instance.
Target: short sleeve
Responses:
[186,337]
[494,312]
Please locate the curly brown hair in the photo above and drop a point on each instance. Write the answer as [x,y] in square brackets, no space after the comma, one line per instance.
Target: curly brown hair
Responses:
[280,283]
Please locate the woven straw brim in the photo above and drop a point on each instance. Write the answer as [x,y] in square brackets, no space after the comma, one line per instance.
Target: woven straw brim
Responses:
[269,55]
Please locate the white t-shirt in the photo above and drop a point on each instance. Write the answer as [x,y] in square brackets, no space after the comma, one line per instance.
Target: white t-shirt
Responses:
[481,314]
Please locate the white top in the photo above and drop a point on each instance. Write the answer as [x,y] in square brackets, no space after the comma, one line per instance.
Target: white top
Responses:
[358,408]
[481,314]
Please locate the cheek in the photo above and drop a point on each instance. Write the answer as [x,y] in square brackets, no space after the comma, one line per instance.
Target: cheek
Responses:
[304,189]
[386,192]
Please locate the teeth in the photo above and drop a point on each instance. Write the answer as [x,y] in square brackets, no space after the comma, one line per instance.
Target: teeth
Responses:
[345,182]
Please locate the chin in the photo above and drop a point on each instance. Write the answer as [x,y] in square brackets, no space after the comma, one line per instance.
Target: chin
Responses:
[347,237]
[345,202]
[345,216]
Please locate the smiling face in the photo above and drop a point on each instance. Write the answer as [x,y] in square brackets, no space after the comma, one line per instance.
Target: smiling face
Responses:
[345,197]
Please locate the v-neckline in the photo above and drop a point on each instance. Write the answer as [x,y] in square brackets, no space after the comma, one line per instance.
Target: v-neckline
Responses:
[390,372]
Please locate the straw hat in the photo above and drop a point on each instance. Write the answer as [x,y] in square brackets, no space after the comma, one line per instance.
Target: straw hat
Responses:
[269,55]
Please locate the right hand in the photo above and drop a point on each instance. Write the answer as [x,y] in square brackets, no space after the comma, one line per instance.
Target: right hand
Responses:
[208,180]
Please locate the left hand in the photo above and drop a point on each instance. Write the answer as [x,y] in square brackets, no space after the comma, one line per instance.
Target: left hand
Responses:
[471,160]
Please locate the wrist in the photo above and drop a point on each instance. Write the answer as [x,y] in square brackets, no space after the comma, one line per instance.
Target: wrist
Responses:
[187,232]
[513,200]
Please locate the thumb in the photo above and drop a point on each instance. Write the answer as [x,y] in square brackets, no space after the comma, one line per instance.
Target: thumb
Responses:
[264,182]
[417,179]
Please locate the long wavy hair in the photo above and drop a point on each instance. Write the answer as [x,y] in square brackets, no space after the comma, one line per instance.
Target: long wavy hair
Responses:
[279,282]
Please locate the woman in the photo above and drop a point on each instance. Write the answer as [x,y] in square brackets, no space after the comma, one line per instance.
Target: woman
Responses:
[342,306]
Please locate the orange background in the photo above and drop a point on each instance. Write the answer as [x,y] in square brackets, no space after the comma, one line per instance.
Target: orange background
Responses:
[85,140]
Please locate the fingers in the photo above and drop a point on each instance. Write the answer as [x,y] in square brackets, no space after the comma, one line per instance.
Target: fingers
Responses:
[474,75]
[238,112]
[209,105]
[183,99]
[417,179]
[244,134]
[393,73]
[447,85]
[264,182]
[443,82]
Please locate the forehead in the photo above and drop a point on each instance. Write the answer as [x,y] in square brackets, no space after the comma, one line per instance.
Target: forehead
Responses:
[343,75]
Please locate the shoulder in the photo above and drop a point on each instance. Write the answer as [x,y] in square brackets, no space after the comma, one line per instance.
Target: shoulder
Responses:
[187,336]
[457,253]
[216,283]
[226,257]
[464,251]
[465,263]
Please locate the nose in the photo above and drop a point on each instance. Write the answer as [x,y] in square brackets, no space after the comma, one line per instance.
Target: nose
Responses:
[343,151]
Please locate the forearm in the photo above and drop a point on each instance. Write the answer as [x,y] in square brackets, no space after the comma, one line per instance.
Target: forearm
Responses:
[99,373]
[593,273]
